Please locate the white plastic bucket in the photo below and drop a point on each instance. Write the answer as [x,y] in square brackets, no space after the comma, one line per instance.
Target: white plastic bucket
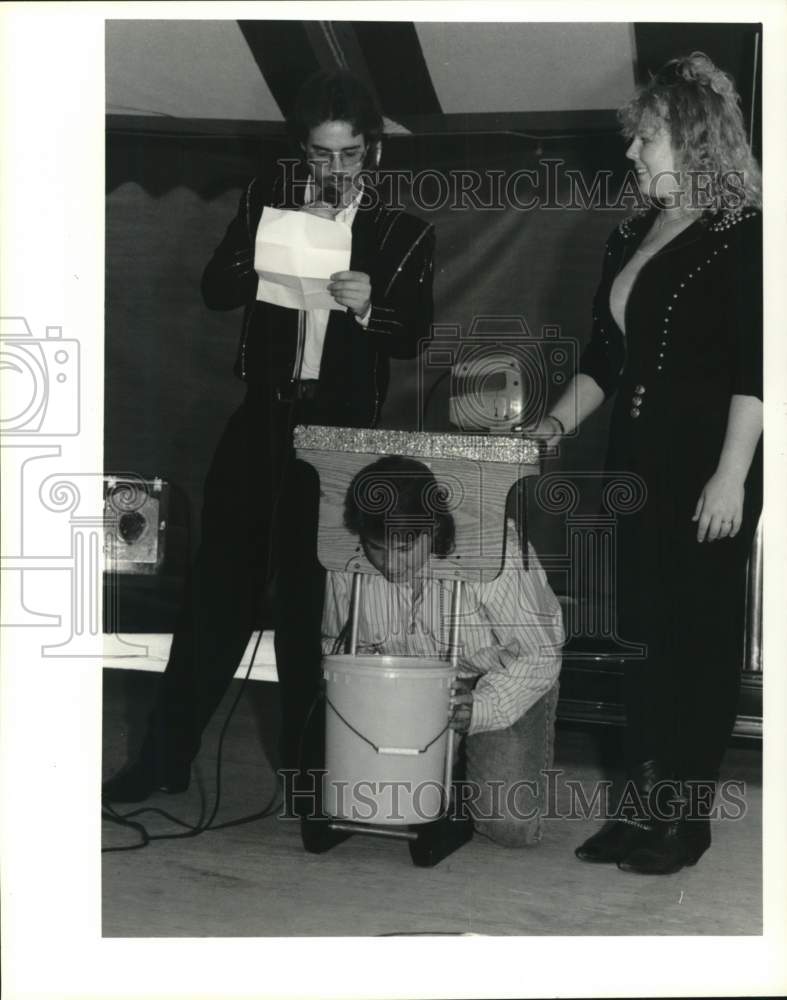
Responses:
[386,721]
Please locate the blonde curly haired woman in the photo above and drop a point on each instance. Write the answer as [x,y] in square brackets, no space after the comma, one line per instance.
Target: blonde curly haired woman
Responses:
[677,340]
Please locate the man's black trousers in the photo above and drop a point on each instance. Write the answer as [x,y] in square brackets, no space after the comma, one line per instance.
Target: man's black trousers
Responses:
[259,526]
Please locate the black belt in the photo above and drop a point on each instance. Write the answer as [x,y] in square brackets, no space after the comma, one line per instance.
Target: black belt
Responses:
[296,389]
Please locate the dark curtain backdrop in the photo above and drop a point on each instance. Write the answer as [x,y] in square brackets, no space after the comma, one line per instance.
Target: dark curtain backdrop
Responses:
[169,382]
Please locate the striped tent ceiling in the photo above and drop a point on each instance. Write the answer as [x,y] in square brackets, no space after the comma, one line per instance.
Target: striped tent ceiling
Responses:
[250,70]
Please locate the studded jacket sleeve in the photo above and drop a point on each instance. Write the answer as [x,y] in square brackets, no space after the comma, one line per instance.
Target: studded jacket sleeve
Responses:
[229,280]
[745,312]
[402,305]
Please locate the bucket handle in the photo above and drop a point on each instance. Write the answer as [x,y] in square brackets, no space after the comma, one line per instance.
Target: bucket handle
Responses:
[399,751]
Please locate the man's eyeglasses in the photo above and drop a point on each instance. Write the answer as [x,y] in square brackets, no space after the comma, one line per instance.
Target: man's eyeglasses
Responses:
[346,157]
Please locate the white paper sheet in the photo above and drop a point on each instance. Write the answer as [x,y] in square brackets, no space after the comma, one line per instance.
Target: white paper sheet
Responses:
[295,254]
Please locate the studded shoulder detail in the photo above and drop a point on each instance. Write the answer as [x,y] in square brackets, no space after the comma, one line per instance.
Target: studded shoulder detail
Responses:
[731,219]
[633,225]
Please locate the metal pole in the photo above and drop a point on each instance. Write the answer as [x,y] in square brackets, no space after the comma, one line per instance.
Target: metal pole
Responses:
[378,831]
[355,605]
[752,661]
[453,656]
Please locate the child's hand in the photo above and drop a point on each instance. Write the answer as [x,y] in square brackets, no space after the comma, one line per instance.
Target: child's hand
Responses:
[461,705]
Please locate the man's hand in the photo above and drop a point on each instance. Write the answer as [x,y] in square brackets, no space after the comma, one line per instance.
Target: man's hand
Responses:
[352,289]
[461,705]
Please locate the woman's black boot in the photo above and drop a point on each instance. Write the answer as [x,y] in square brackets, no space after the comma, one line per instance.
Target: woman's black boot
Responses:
[614,841]
[677,842]
[622,835]
[670,847]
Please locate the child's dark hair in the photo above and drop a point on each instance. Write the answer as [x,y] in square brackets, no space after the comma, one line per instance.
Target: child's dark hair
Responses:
[397,492]
[335,96]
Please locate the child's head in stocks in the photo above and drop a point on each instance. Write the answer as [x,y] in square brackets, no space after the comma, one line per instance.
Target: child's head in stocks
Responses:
[398,510]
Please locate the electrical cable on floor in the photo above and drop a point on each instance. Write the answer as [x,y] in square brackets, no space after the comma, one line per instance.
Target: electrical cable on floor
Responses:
[192,830]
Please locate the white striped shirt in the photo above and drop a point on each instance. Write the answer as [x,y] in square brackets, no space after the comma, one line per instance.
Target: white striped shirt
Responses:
[510,636]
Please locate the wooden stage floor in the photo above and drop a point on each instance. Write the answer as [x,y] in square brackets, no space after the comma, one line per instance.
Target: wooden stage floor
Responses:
[255,880]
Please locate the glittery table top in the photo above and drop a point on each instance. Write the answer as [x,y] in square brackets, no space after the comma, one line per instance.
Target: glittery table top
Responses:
[506,448]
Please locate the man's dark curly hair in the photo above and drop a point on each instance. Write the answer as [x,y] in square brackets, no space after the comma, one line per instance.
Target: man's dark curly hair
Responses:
[335,96]
[400,493]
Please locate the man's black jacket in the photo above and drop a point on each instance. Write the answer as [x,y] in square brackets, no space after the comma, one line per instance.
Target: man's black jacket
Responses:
[395,249]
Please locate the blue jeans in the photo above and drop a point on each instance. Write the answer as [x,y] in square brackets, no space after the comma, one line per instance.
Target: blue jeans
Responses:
[505,786]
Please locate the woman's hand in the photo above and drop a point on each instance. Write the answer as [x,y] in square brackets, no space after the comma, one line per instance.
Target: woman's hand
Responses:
[461,704]
[352,289]
[547,430]
[719,509]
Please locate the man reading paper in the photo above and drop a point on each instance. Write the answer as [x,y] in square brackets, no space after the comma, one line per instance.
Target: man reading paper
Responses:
[315,366]
[296,255]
